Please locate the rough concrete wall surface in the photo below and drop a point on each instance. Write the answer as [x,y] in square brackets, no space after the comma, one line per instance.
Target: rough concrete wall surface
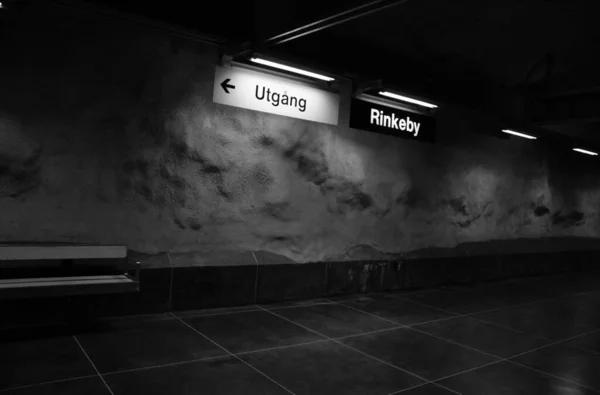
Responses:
[108,134]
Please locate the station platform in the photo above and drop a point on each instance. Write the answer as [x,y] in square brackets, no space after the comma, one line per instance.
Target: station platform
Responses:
[524,336]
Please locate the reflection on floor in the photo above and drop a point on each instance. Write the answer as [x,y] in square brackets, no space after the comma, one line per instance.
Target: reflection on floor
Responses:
[531,336]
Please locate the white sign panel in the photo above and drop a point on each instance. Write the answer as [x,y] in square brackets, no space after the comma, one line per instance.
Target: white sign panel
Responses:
[263,92]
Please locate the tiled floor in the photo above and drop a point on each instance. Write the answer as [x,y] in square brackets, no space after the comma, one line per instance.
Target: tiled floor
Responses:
[532,336]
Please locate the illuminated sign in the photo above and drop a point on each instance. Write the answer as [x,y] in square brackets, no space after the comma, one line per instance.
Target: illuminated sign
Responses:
[378,118]
[258,91]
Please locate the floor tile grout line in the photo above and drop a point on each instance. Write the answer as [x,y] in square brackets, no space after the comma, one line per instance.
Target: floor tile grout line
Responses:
[467,371]
[434,321]
[281,347]
[257,308]
[135,318]
[250,309]
[495,308]
[430,307]
[331,301]
[352,348]
[438,308]
[296,306]
[507,327]
[391,294]
[470,315]
[501,359]
[393,328]
[93,365]
[529,334]
[165,365]
[47,383]
[556,377]
[172,316]
[171,280]
[235,356]
[512,356]
[208,358]
[400,326]
[215,357]
[370,295]
[452,316]
[455,313]
[336,340]
[217,314]
[411,388]
[586,349]
[553,344]
[423,385]
[243,352]
[509,360]
[457,343]
[339,338]
[372,315]
[498,359]
[255,277]
[436,381]
[504,307]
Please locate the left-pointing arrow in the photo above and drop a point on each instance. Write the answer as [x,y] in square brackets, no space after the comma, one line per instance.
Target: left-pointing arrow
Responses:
[225,85]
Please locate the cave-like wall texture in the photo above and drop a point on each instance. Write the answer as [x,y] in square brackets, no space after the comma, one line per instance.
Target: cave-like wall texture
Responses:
[108,134]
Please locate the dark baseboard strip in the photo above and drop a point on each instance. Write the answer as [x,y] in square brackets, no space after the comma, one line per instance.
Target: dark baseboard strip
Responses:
[202,287]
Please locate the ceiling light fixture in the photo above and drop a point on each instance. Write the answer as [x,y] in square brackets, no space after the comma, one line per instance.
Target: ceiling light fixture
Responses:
[585,151]
[407,99]
[291,69]
[519,134]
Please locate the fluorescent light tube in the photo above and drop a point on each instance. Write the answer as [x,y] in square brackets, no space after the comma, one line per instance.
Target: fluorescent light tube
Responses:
[291,69]
[519,134]
[585,152]
[407,99]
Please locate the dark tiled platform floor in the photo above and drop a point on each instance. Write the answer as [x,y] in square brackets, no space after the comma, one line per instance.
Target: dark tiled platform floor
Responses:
[529,336]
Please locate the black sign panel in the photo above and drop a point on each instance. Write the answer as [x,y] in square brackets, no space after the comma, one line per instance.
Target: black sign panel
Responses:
[388,120]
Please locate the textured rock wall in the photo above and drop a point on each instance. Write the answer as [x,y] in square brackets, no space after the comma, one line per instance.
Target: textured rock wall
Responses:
[108,134]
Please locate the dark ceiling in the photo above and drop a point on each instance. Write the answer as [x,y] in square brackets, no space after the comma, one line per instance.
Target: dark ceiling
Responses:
[233,21]
[541,51]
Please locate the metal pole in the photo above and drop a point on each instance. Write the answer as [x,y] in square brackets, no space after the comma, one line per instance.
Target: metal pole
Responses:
[333,20]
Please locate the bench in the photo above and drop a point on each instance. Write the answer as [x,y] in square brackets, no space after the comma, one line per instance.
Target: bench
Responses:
[66,259]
